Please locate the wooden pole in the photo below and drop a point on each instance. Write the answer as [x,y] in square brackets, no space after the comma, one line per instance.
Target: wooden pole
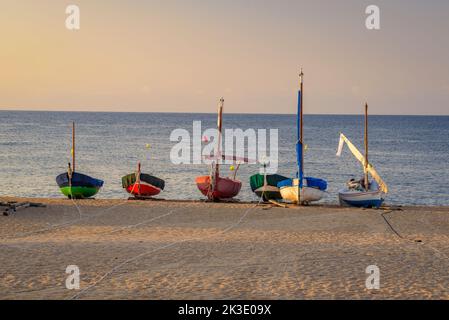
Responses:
[219,122]
[138,177]
[73,146]
[366,147]
[218,156]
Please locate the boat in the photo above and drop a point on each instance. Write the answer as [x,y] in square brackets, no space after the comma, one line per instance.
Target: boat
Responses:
[265,186]
[78,185]
[301,190]
[313,189]
[213,186]
[218,188]
[75,185]
[362,193]
[141,184]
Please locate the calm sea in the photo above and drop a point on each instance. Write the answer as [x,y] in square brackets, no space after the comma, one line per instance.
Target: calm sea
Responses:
[411,153]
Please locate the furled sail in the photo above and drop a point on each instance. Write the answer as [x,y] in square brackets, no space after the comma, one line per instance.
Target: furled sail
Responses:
[361,158]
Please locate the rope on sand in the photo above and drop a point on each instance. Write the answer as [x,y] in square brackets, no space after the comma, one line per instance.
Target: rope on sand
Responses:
[439,252]
[81,217]
[117,267]
[143,222]
[65,224]
[389,224]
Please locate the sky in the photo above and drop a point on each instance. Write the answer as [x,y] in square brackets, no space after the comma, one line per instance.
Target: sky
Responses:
[182,56]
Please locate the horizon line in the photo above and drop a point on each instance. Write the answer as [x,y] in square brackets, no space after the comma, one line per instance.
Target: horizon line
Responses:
[242,113]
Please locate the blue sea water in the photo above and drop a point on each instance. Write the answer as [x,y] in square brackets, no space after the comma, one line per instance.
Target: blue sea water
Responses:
[411,153]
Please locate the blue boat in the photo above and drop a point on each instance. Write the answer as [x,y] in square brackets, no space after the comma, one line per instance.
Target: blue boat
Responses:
[301,190]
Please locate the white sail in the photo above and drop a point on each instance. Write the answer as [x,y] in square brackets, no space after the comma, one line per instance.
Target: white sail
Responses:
[361,158]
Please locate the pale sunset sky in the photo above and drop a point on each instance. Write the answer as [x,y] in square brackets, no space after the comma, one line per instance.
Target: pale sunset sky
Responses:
[182,56]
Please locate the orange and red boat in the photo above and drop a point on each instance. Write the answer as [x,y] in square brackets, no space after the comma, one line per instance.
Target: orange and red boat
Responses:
[213,186]
[218,187]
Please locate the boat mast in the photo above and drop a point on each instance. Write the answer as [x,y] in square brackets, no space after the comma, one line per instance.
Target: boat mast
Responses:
[138,177]
[301,122]
[299,145]
[73,146]
[219,126]
[366,147]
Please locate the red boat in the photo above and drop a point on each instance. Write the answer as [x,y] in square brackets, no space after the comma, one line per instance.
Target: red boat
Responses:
[224,188]
[213,186]
[142,185]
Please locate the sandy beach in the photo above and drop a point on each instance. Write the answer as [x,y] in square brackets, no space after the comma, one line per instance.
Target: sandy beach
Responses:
[192,250]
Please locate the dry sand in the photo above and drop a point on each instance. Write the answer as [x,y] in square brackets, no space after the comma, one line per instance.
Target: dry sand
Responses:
[191,250]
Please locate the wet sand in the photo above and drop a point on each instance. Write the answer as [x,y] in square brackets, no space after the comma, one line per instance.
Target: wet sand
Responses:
[192,250]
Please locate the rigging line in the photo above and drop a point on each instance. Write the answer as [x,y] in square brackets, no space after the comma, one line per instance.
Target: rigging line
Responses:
[111,271]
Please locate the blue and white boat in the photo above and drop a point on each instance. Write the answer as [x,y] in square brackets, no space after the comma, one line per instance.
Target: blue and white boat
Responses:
[364,193]
[301,190]
[357,196]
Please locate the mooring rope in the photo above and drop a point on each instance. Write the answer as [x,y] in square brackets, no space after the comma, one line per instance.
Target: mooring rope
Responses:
[143,222]
[445,256]
[81,217]
[117,267]
[389,224]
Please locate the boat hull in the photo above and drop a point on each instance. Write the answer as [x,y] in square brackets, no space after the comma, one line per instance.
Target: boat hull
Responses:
[361,199]
[226,188]
[147,187]
[81,186]
[79,192]
[144,190]
[268,191]
[307,194]
[313,190]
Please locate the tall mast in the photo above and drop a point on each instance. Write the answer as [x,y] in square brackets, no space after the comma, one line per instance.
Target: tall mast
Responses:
[219,120]
[73,146]
[366,146]
[138,177]
[299,144]
[219,126]
[301,78]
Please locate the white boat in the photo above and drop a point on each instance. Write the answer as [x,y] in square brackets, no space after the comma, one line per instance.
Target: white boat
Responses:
[364,192]
[307,194]
[353,197]
[301,190]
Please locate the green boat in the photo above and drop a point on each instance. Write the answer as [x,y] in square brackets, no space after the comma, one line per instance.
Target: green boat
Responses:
[79,186]
[266,186]
[76,185]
